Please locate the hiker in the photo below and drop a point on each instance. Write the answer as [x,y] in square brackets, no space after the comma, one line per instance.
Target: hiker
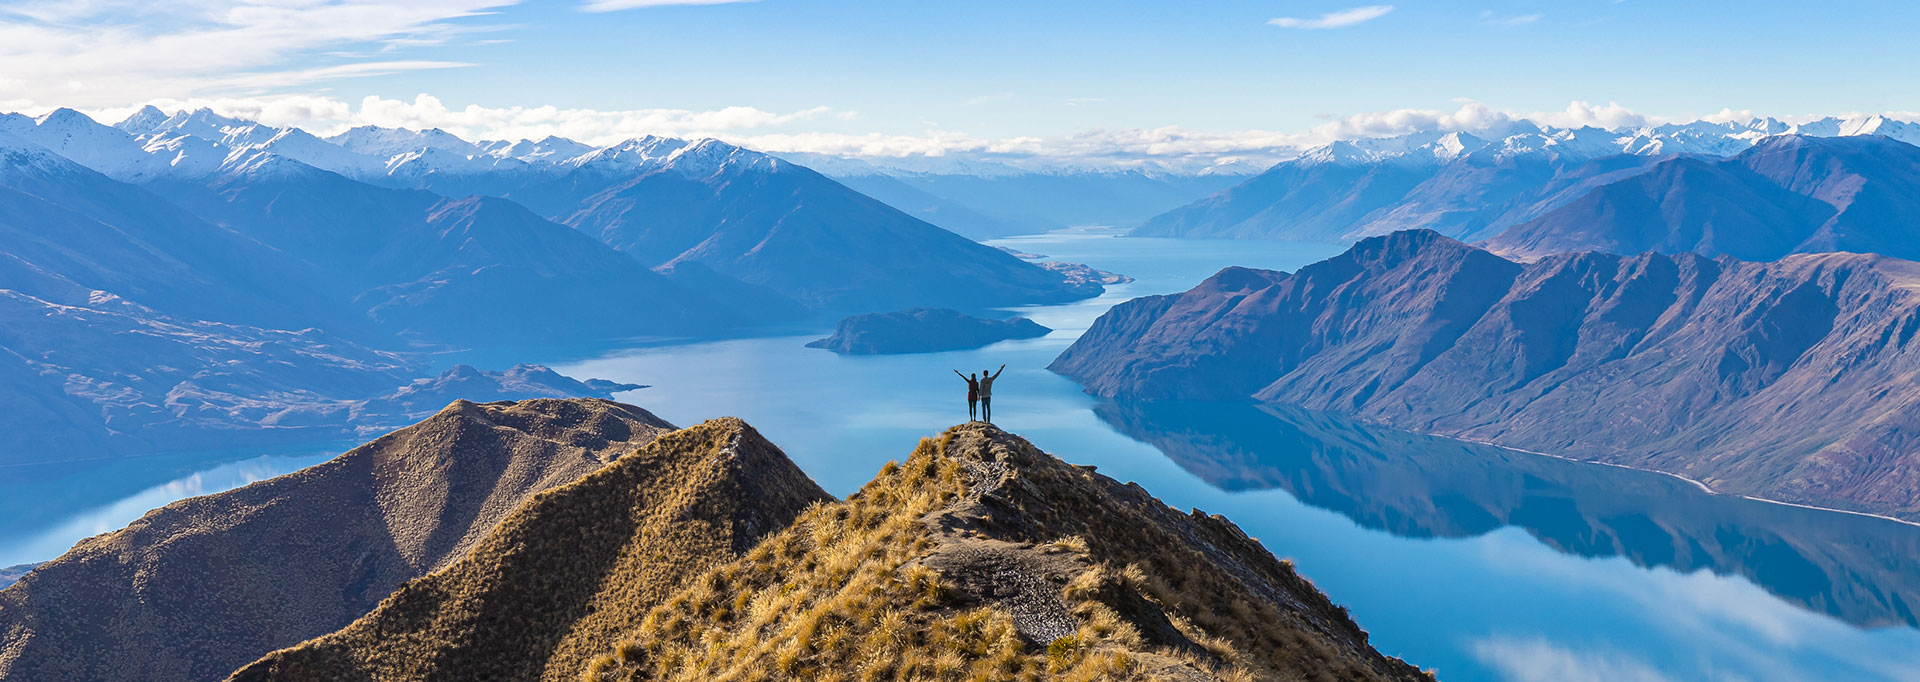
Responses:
[973,393]
[986,393]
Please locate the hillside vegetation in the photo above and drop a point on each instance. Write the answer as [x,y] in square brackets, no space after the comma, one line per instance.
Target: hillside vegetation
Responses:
[201,586]
[707,556]
[565,574]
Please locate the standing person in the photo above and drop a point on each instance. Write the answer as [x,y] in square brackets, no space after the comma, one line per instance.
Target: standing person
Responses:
[986,393]
[973,393]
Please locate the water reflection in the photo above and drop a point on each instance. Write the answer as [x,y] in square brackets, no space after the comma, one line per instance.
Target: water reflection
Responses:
[45,508]
[1861,569]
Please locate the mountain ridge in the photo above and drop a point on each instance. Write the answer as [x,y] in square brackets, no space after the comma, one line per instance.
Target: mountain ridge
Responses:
[199,587]
[989,554]
[1665,362]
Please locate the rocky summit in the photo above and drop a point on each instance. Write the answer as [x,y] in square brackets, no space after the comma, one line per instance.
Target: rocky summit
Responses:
[707,556]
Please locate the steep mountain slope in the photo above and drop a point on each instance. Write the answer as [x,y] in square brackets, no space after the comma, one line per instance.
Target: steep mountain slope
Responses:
[1787,194]
[60,221]
[773,224]
[1314,200]
[1026,202]
[979,556]
[972,222]
[444,269]
[561,577]
[770,224]
[1784,379]
[200,587]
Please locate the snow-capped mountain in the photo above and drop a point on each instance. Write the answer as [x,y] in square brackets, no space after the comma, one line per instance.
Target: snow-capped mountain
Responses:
[1470,185]
[551,149]
[333,201]
[74,136]
[389,142]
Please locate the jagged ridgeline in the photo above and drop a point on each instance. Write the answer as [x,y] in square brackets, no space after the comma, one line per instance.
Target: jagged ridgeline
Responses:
[201,586]
[706,555]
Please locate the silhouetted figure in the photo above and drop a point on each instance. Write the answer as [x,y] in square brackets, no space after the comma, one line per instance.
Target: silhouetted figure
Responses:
[986,393]
[973,393]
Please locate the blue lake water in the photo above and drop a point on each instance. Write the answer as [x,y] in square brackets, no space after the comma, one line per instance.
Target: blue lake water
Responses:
[1477,562]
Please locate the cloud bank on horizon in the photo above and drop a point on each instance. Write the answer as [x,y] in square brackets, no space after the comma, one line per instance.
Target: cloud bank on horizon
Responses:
[284,62]
[1170,147]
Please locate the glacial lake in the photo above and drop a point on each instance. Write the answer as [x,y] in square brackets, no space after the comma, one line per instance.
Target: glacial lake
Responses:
[1480,563]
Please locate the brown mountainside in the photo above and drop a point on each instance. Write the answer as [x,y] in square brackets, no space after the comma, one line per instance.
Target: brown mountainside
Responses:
[564,575]
[1788,379]
[199,587]
[980,557]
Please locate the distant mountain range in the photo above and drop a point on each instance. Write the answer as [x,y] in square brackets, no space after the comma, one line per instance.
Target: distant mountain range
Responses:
[771,224]
[982,199]
[1477,186]
[1786,379]
[180,275]
[1787,194]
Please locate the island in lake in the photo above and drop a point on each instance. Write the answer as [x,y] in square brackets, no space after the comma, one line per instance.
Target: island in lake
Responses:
[923,330]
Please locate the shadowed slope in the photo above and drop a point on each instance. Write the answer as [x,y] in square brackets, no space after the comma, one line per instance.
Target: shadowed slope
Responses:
[562,575]
[196,588]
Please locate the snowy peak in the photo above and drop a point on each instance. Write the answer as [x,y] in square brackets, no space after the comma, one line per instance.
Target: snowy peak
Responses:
[548,150]
[709,156]
[201,123]
[437,161]
[1455,145]
[83,140]
[385,143]
[632,155]
[146,120]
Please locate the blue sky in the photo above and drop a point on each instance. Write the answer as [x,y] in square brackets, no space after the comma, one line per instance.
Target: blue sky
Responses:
[908,75]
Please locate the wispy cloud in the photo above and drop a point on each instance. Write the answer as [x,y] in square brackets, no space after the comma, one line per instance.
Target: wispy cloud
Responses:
[107,52]
[617,5]
[1488,17]
[1347,17]
[1531,659]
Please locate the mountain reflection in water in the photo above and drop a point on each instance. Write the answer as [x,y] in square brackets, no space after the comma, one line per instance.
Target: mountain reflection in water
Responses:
[1861,569]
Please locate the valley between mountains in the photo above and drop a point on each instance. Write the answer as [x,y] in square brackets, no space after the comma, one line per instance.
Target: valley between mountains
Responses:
[1727,302]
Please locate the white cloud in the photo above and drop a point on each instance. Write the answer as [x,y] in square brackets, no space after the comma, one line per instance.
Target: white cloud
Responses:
[1338,19]
[991,98]
[1487,16]
[107,52]
[1537,660]
[616,5]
